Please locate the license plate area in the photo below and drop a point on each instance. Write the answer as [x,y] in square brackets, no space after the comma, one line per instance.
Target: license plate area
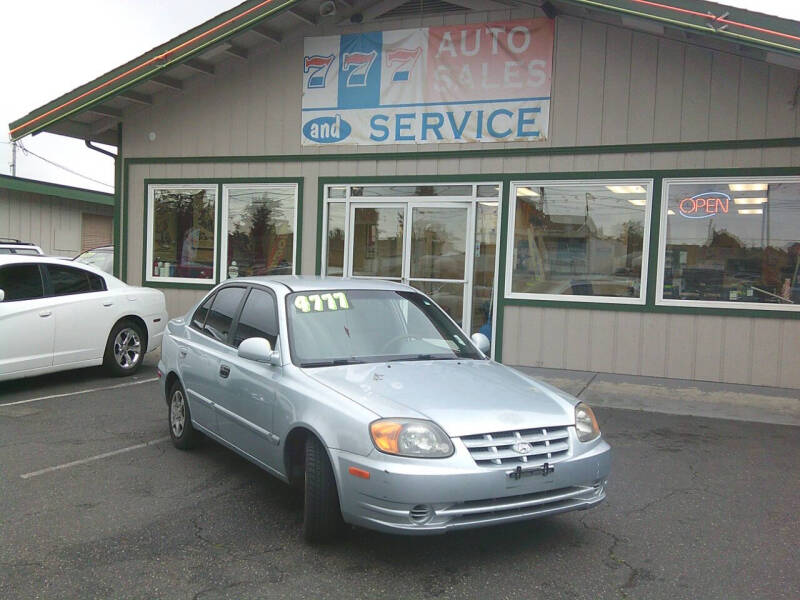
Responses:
[539,477]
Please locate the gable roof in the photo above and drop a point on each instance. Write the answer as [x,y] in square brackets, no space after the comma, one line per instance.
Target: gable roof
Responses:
[92,111]
[44,188]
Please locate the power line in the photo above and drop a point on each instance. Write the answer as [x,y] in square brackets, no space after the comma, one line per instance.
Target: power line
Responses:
[27,152]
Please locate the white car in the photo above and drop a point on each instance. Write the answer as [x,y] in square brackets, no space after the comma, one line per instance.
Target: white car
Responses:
[57,315]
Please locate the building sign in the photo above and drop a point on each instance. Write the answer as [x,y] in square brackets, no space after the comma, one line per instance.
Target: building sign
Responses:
[702,206]
[468,83]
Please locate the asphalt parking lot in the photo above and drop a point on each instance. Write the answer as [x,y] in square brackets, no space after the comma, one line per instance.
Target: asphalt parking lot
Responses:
[96,503]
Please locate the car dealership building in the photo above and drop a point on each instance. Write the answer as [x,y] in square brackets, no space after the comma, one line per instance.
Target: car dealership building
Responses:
[607,185]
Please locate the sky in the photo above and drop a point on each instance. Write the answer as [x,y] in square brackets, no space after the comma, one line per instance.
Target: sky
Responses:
[50,47]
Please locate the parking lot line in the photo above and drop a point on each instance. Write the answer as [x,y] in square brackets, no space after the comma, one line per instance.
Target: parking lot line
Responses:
[89,391]
[83,461]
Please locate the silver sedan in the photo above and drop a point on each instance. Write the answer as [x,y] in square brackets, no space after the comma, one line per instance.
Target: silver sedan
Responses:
[367,396]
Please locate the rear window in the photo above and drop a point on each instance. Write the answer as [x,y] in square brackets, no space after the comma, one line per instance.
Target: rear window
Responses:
[21,282]
[68,280]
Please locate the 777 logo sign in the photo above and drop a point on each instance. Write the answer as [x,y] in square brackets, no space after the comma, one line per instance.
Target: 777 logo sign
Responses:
[403,60]
[318,66]
[357,66]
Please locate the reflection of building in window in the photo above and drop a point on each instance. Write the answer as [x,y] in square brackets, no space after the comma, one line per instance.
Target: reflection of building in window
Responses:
[183,233]
[747,253]
[578,240]
[261,230]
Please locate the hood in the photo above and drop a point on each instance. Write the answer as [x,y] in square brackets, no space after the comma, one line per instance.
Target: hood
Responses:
[464,397]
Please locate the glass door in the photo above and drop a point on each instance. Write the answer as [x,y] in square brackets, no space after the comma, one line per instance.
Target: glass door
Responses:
[376,240]
[438,259]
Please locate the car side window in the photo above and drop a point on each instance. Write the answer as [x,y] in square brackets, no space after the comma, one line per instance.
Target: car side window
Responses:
[199,316]
[220,317]
[67,280]
[96,283]
[21,282]
[259,318]
[26,252]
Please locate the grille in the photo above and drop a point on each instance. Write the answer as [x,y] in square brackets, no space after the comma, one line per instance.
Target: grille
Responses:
[494,449]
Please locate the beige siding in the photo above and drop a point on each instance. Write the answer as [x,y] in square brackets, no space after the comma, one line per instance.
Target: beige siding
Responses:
[610,86]
[54,224]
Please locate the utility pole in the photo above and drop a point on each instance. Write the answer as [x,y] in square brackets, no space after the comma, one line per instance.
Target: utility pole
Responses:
[13,159]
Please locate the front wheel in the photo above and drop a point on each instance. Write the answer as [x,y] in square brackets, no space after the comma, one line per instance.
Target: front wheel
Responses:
[322,515]
[124,349]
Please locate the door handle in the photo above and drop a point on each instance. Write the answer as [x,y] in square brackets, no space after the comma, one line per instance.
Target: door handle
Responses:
[224,371]
[45,313]
[182,352]
[109,303]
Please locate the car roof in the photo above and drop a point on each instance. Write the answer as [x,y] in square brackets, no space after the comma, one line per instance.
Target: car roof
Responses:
[307,283]
[39,259]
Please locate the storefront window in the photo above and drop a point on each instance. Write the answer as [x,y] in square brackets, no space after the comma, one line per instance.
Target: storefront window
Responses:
[733,241]
[258,229]
[182,234]
[584,241]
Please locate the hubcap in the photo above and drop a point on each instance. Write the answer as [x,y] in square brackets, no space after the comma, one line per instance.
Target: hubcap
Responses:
[127,348]
[177,413]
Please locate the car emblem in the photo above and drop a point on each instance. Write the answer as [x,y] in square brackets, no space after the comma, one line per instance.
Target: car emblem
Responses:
[522,448]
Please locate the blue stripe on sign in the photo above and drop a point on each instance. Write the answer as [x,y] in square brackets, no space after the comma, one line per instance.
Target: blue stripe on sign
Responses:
[360,58]
[460,102]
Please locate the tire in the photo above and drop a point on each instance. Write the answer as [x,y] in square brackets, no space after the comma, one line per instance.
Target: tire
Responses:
[125,349]
[322,515]
[183,435]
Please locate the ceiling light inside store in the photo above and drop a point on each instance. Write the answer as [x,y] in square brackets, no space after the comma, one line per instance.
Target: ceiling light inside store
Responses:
[749,187]
[751,211]
[638,201]
[626,189]
[524,191]
[749,200]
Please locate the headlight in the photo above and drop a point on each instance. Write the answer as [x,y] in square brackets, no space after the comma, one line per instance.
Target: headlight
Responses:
[585,423]
[410,437]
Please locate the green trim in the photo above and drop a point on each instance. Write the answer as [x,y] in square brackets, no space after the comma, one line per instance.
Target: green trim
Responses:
[764,143]
[44,188]
[298,234]
[497,331]
[320,202]
[219,182]
[117,221]
[652,253]
[130,81]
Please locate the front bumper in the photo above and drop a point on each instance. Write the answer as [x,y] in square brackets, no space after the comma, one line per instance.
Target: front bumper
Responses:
[423,496]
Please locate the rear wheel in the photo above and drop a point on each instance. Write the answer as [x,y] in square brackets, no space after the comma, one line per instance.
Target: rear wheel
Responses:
[124,349]
[181,432]
[322,515]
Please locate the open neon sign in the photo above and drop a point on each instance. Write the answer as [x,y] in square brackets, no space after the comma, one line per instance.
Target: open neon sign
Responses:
[702,206]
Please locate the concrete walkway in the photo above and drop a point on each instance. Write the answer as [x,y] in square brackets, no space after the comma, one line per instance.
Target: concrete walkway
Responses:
[677,396]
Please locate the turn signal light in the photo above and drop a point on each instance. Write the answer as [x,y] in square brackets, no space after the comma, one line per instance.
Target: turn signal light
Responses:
[358,472]
[385,434]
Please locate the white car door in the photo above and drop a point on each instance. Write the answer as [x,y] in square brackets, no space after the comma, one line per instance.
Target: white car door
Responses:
[84,314]
[27,324]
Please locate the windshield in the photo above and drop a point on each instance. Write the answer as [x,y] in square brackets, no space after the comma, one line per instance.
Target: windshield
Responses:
[100,259]
[359,326]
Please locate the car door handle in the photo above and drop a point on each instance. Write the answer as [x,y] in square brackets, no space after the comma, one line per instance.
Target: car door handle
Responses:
[108,303]
[224,371]
[45,313]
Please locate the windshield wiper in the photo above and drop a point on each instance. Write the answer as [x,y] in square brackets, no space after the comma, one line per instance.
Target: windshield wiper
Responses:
[334,362]
[423,357]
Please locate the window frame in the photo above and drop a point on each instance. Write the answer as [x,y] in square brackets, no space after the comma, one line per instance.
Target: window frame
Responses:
[662,245]
[223,220]
[234,318]
[641,300]
[149,231]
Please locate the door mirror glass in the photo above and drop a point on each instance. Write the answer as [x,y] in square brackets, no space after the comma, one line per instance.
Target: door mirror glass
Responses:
[2,295]
[482,342]
[259,350]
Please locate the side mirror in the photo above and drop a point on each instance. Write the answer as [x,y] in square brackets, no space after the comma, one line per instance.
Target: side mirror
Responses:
[482,342]
[2,295]
[259,350]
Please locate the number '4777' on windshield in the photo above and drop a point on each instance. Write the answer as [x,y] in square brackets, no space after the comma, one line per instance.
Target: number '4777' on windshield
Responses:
[321,302]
